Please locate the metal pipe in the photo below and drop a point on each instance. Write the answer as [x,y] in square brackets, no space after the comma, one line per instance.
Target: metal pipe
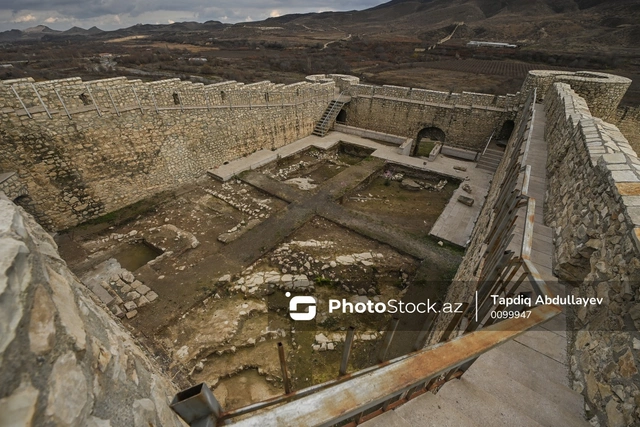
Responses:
[41,101]
[62,102]
[21,103]
[387,339]
[95,104]
[153,98]
[137,99]
[112,102]
[283,366]
[197,406]
[346,351]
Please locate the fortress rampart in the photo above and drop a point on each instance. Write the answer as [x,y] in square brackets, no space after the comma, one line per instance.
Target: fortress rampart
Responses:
[65,359]
[104,145]
[467,119]
[628,121]
[83,149]
[601,91]
[593,206]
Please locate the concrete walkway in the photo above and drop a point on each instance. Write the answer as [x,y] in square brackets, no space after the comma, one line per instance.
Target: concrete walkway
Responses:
[524,382]
[456,221]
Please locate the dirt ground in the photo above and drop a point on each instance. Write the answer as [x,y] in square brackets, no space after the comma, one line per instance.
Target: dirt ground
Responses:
[413,211]
[180,281]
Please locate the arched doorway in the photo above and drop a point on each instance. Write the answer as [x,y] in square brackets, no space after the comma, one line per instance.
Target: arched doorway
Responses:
[342,117]
[505,133]
[26,203]
[427,138]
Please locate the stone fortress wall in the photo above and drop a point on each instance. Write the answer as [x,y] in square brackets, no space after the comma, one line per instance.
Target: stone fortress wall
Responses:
[70,361]
[602,92]
[627,119]
[84,149]
[468,119]
[593,206]
[64,358]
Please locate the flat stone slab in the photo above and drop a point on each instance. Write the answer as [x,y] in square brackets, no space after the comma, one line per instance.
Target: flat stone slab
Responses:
[252,161]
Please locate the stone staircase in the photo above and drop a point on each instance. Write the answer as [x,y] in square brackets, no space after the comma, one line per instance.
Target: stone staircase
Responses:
[328,117]
[523,382]
[511,385]
[490,160]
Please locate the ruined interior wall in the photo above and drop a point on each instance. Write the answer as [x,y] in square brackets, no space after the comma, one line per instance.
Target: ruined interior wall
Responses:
[601,91]
[128,140]
[593,206]
[63,359]
[627,119]
[402,111]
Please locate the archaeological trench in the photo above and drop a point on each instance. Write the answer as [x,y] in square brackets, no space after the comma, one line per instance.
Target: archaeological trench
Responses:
[151,232]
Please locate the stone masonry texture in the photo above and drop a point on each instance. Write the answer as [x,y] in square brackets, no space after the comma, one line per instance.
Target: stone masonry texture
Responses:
[593,206]
[89,149]
[64,359]
[110,143]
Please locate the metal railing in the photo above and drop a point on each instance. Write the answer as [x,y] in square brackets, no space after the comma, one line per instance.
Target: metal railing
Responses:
[353,398]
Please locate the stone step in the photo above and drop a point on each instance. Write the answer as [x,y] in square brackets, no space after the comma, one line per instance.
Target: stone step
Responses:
[486,164]
[482,407]
[430,410]
[538,406]
[488,155]
[512,355]
[487,167]
[551,345]
[387,419]
[521,372]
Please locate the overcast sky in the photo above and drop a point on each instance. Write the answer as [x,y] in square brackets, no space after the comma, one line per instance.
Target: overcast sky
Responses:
[113,14]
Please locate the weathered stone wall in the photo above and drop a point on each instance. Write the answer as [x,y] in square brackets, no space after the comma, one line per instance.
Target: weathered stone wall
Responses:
[343,81]
[627,119]
[602,92]
[593,206]
[92,148]
[11,185]
[467,119]
[63,359]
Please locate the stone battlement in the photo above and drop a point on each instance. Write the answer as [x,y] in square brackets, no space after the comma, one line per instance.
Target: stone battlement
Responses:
[119,94]
[84,149]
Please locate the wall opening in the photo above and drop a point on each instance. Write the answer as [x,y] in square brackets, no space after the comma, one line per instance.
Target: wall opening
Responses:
[427,139]
[505,133]
[26,202]
[85,99]
[176,98]
[342,117]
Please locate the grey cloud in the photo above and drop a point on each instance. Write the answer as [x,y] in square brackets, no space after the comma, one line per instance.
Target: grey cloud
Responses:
[113,14]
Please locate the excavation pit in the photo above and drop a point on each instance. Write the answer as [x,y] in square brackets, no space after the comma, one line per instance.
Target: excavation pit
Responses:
[308,169]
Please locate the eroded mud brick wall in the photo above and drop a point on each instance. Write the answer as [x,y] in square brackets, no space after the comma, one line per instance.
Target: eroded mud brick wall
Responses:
[467,119]
[593,207]
[64,360]
[92,148]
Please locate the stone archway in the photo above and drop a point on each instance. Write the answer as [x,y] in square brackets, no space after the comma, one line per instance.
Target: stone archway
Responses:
[427,138]
[342,117]
[504,134]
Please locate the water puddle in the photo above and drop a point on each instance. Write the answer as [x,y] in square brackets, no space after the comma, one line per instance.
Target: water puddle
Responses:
[134,256]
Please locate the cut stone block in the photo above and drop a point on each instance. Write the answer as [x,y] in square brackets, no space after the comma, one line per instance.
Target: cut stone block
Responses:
[466,200]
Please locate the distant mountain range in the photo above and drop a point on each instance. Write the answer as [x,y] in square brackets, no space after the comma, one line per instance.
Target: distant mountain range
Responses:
[581,24]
